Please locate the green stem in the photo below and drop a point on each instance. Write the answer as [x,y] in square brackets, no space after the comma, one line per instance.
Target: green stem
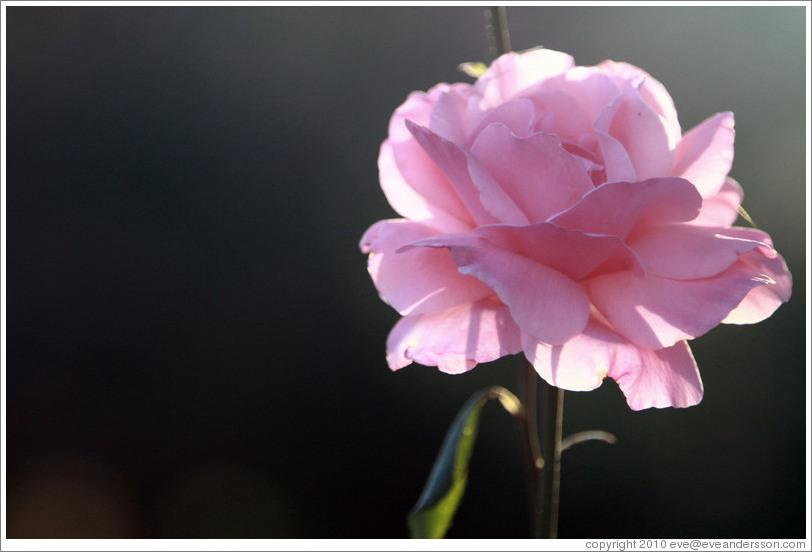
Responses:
[552,415]
[543,457]
[532,449]
[497,29]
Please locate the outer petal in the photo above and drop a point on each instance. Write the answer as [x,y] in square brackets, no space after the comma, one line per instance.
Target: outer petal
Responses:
[657,312]
[668,377]
[689,252]
[404,199]
[720,209]
[705,154]
[419,280]
[659,379]
[579,364]
[513,72]
[544,302]
[622,208]
[762,301]
[413,167]
[454,340]
[539,175]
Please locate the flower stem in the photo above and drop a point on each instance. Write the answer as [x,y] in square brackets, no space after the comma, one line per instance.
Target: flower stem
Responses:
[543,458]
[552,415]
[532,449]
[497,29]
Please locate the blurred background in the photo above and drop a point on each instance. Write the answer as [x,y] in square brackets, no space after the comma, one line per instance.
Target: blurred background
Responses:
[195,348]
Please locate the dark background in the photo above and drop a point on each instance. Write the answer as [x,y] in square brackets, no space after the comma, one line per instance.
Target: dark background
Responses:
[195,349]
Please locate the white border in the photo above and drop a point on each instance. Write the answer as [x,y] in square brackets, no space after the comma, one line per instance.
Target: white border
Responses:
[371,544]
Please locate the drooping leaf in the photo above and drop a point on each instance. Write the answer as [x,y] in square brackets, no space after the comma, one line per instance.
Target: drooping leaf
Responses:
[432,515]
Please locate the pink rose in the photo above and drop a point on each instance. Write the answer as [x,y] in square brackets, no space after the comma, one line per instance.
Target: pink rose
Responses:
[560,211]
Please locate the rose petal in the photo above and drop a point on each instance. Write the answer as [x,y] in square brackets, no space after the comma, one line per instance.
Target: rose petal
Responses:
[409,203]
[621,208]
[558,113]
[413,167]
[659,379]
[657,312]
[448,118]
[651,91]
[643,133]
[539,175]
[720,209]
[517,115]
[579,364]
[544,302]
[688,252]
[513,72]
[571,252]
[494,198]
[589,87]
[762,301]
[452,160]
[419,280]
[616,160]
[705,154]
[454,340]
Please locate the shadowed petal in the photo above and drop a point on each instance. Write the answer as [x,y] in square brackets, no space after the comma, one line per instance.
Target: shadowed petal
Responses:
[454,340]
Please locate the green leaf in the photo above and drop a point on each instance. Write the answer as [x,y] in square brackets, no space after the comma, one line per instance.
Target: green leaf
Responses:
[472,68]
[432,515]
